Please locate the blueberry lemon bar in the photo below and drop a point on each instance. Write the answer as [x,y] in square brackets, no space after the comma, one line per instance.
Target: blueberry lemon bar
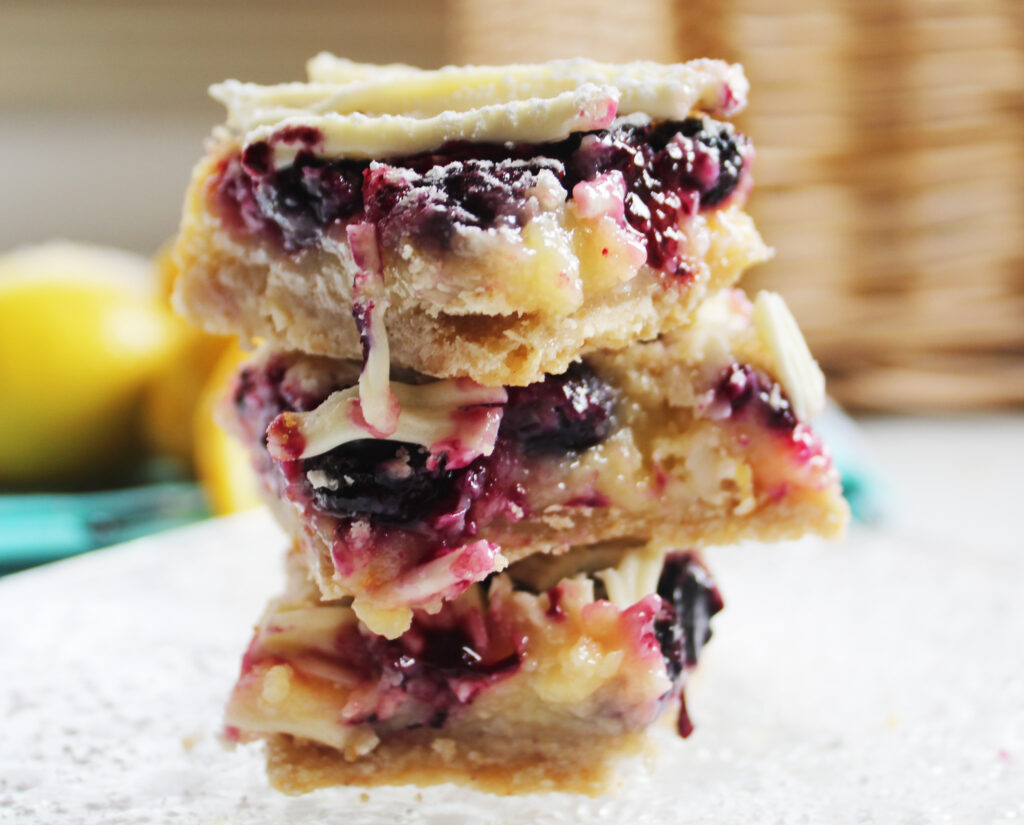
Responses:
[501,374]
[525,682]
[700,437]
[509,219]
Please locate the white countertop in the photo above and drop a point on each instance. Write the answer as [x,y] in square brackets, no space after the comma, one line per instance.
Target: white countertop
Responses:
[877,681]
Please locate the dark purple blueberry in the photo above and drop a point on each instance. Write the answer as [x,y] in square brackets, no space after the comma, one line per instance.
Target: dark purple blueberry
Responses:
[429,662]
[258,159]
[432,206]
[730,148]
[562,413]
[385,479]
[450,652]
[690,599]
[695,155]
[291,205]
[234,190]
[310,195]
[714,143]
[671,170]
[435,662]
[745,389]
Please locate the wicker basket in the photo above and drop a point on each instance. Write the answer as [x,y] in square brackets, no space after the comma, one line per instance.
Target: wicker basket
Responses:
[890,171]
[891,181]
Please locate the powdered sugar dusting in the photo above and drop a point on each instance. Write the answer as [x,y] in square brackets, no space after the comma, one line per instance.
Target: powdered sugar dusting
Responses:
[809,708]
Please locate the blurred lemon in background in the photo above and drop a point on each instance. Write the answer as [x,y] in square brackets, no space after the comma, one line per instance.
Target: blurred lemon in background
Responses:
[180,407]
[169,426]
[81,335]
[97,374]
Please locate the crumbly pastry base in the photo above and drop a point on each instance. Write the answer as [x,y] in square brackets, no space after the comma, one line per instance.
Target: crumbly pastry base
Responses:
[230,287]
[585,766]
[823,513]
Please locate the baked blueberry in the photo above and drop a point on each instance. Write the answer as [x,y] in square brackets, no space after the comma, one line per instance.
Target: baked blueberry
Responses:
[385,479]
[747,390]
[690,599]
[563,413]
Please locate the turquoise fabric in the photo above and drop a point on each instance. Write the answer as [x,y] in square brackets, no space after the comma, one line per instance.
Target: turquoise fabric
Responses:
[37,528]
[42,527]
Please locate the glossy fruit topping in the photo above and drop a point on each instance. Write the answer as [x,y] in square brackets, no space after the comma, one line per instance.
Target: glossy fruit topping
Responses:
[671,170]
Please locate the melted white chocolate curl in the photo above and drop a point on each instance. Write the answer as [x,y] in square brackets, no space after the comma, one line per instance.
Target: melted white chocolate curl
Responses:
[366,137]
[430,584]
[365,111]
[379,407]
[799,373]
[456,418]
[650,88]
[445,577]
[634,578]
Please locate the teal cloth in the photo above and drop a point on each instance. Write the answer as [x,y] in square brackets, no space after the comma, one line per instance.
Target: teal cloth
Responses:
[864,485]
[41,527]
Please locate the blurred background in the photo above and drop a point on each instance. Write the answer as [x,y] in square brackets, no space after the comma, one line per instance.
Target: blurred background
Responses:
[890,179]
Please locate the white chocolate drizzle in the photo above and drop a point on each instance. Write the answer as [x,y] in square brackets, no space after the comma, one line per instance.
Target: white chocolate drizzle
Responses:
[799,373]
[378,405]
[634,578]
[366,111]
[361,136]
[455,418]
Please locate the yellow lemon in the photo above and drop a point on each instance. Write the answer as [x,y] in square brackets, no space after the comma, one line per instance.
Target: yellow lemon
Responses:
[172,396]
[166,271]
[81,333]
[222,464]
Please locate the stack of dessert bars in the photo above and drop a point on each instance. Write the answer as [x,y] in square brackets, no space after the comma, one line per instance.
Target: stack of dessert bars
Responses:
[502,392]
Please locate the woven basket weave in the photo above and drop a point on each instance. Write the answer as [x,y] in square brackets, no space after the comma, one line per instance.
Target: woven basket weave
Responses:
[890,169]
[890,180]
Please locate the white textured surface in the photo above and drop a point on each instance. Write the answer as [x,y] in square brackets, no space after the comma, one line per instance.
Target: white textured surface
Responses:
[877,682]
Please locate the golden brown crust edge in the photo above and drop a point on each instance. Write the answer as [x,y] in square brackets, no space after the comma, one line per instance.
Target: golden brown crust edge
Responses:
[421,758]
[225,296]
